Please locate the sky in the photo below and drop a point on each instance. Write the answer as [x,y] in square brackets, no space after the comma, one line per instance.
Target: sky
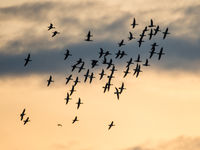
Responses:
[158,110]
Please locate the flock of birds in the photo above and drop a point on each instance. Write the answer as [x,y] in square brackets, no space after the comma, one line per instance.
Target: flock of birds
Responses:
[79,65]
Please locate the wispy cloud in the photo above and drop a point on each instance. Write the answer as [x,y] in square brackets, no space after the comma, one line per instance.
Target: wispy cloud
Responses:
[182,142]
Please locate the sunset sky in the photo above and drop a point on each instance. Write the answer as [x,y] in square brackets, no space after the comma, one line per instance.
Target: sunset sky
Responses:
[159,110]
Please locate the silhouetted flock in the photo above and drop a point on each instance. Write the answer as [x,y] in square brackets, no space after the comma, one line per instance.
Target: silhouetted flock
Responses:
[108,63]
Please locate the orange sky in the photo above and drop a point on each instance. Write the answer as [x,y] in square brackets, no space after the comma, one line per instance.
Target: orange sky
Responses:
[157,108]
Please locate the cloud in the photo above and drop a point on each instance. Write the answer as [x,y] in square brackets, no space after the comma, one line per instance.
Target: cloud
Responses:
[29,11]
[74,20]
[182,142]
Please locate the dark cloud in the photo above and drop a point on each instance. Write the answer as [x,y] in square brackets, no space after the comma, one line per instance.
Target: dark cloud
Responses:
[47,53]
[179,55]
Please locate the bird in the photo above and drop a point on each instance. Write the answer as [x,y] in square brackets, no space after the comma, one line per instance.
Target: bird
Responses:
[75,119]
[118,54]
[91,77]
[72,90]
[165,33]
[76,81]
[81,67]
[146,63]
[157,29]
[67,54]
[94,63]
[140,42]
[22,114]
[107,53]
[137,70]
[59,125]
[55,33]
[79,61]
[86,75]
[126,72]
[49,81]
[121,43]
[67,98]
[129,62]
[109,64]
[117,92]
[151,24]
[122,54]
[101,53]
[160,53]
[152,52]
[50,26]
[151,34]
[131,36]
[68,79]
[26,120]
[138,59]
[27,59]
[122,88]
[111,125]
[89,35]
[134,23]
[102,74]
[79,103]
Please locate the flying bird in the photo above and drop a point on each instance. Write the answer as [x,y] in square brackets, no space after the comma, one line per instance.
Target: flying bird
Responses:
[126,72]
[140,42]
[121,43]
[89,35]
[129,62]
[68,79]
[111,125]
[81,67]
[67,98]
[122,54]
[146,63]
[138,59]
[134,23]
[101,53]
[137,70]
[50,26]
[107,53]
[76,81]
[49,81]
[152,52]
[151,24]
[151,34]
[165,33]
[22,114]
[26,120]
[91,77]
[109,64]
[117,92]
[27,59]
[59,125]
[79,103]
[86,75]
[72,90]
[131,36]
[67,54]
[75,119]
[122,88]
[118,54]
[94,63]
[102,74]
[55,33]
[160,53]
[157,29]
